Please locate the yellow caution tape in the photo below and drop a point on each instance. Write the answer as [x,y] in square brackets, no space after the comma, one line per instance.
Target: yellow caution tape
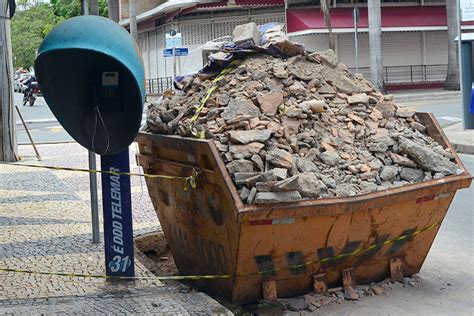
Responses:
[189,181]
[210,91]
[356,252]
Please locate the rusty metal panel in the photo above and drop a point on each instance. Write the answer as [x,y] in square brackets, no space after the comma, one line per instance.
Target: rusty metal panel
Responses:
[210,231]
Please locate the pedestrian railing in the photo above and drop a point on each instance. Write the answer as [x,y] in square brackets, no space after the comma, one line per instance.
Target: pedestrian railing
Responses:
[158,85]
[409,74]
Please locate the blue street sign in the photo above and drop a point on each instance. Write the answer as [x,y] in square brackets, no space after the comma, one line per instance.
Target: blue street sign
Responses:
[168,52]
[181,51]
[117,208]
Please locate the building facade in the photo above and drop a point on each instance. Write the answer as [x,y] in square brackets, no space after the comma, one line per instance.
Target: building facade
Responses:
[414,34]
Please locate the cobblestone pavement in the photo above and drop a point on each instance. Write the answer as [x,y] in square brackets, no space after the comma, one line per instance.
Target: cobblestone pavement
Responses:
[45,225]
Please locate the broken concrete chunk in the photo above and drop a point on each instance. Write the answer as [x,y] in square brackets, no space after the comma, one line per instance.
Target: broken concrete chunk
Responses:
[269,102]
[240,166]
[360,98]
[280,158]
[329,58]
[412,175]
[246,150]
[330,158]
[388,173]
[245,137]
[277,197]
[308,185]
[246,33]
[240,107]
[306,165]
[427,158]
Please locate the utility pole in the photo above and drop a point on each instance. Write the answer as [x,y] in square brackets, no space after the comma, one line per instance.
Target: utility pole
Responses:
[375,43]
[132,11]
[94,7]
[92,166]
[113,8]
[8,148]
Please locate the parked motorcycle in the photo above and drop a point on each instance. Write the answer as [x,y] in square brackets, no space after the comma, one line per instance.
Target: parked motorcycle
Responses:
[32,94]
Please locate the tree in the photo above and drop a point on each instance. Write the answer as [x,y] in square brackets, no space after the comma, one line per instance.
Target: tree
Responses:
[29,27]
[35,19]
[325,5]
[452,75]
[71,8]
[375,43]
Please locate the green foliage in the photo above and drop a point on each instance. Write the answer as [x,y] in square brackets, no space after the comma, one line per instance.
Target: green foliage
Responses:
[29,27]
[35,19]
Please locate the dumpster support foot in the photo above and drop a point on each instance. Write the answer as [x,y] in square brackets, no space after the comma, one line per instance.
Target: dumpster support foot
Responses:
[319,283]
[349,283]
[269,290]
[396,271]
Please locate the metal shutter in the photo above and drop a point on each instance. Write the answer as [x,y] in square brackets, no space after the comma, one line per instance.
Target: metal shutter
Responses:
[153,64]
[436,47]
[142,43]
[346,50]
[225,27]
[267,18]
[312,42]
[402,48]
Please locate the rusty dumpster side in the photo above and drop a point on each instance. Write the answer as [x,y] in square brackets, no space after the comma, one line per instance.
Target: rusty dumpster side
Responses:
[210,231]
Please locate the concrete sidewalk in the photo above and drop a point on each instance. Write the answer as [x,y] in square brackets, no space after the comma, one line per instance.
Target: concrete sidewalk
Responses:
[45,225]
[461,139]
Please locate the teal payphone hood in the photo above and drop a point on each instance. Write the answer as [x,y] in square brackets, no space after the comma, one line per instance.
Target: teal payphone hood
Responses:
[68,67]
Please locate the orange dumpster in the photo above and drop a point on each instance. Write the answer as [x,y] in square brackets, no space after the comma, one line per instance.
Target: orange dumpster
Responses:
[294,247]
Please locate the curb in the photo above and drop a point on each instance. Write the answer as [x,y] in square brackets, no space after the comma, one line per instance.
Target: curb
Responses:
[426,97]
[464,148]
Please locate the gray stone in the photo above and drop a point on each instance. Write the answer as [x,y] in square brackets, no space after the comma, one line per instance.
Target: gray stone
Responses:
[375,164]
[402,161]
[427,158]
[297,305]
[269,102]
[240,107]
[244,194]
[279,71]
[257,160]
[411,174]
[360,98]
[330,158]
[345,190]
[240,165]
[280,173]
[367,187]
[290,184]
[329,182]
[241,177]
[387,109]
[280,158]
[245,137]
[405,113]
[438,175]
[306,165]
[308,185]
[252,194]
[265,186]
[277,197]
[329,58]
[388,173]
[247,150]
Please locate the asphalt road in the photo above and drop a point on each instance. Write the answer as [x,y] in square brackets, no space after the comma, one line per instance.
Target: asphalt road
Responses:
[43,126]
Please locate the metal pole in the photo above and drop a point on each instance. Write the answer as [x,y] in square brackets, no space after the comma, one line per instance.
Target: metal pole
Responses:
[356,37]
[28,133]
[8,145]
[133,18]
[465,73]
[92,175]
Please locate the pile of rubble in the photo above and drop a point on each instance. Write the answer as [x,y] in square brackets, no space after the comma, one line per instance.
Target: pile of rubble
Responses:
[311,302]
[303,128]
